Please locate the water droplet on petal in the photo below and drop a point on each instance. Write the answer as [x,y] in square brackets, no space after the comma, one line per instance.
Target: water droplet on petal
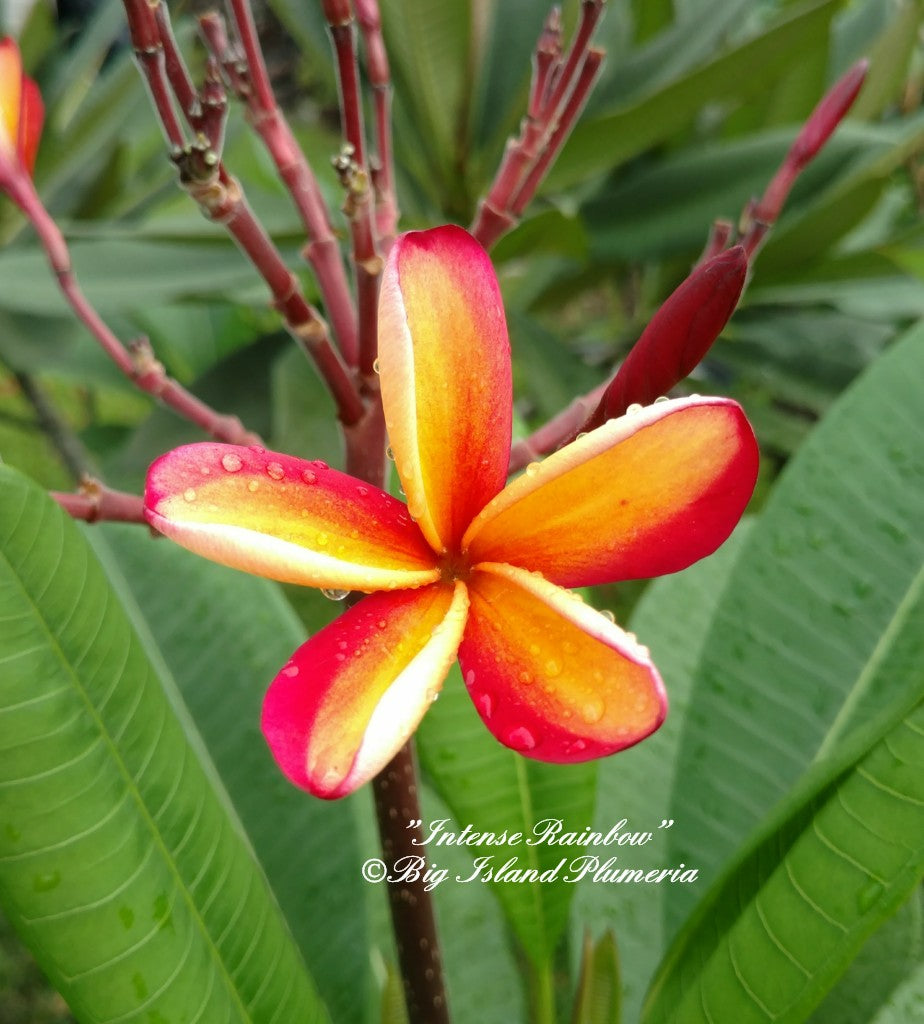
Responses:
[333,594]
[231,462]
[634,409]
[577,747]
[375,365]
[470,677]
[321,464]
[309,477]
[189,494]
[321,540]
[521,739]
[274,470]
[291,671]
[205,470]
[553,668]
[252,486]
[484,704]
[389,453]
[607,614]
[257,449]
[362,491]
[525,677]
[592,710]
[381,623]
[661,398]
[532,469]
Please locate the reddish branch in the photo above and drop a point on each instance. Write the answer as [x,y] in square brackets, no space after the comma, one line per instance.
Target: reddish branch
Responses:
[136,360]
[353,170]
[247,74]
[559,89]
[95,502]
[221,199]
[379,75]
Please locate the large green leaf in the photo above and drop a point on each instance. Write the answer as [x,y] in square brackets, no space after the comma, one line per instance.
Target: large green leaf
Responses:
[224,635]
[824,590]
[737,75]
[495,790]
[121,862]
[775,934]
[672,619]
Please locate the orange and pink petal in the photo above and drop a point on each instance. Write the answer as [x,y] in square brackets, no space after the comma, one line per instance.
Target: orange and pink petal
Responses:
[551,677]
[351,696]
[10,94]
[282,517]
[444,365]
[643,495]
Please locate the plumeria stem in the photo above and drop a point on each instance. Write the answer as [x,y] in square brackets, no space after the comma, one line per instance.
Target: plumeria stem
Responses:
[254,89]
[397,806]
[97,503]
[137,361]
[560,87]
[553,434]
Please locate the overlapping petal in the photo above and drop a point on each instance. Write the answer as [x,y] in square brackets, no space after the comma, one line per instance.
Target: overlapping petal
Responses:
[283,517]
[551,677]
[643,495]
[444,360]
[352,695]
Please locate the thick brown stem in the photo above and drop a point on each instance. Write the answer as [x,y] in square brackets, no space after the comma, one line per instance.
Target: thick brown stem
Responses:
[397,808]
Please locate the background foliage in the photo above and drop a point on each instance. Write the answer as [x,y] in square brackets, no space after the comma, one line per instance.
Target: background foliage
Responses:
[792,760]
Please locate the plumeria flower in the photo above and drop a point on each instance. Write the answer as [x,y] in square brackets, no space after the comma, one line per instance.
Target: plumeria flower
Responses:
[21,113]
[468,567]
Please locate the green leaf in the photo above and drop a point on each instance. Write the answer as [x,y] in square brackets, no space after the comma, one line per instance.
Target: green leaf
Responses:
[223,636]
[598,995]
[879,971]
[121,863]
[121,274]
[672,619]
[734,76]
[495,790]
[823,592]
[775,933]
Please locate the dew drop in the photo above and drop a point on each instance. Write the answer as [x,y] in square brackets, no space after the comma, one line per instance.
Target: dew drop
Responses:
[321,540]
[257,449]
[532,469]
[389,453]
[189,494]
[661,398]
[525,677]
[333,594]
[342,644]
[362,491]
[470,677]
[231,462]
[291,671]
[607,614]
[205,470]
[274,470]
[634,409]
[553,668]
[592,710]
[381,623]
[521,739]
[252,486]
[341,657]
[309,477]
[577,746]
[484,704]
[375,365]
[321,464]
